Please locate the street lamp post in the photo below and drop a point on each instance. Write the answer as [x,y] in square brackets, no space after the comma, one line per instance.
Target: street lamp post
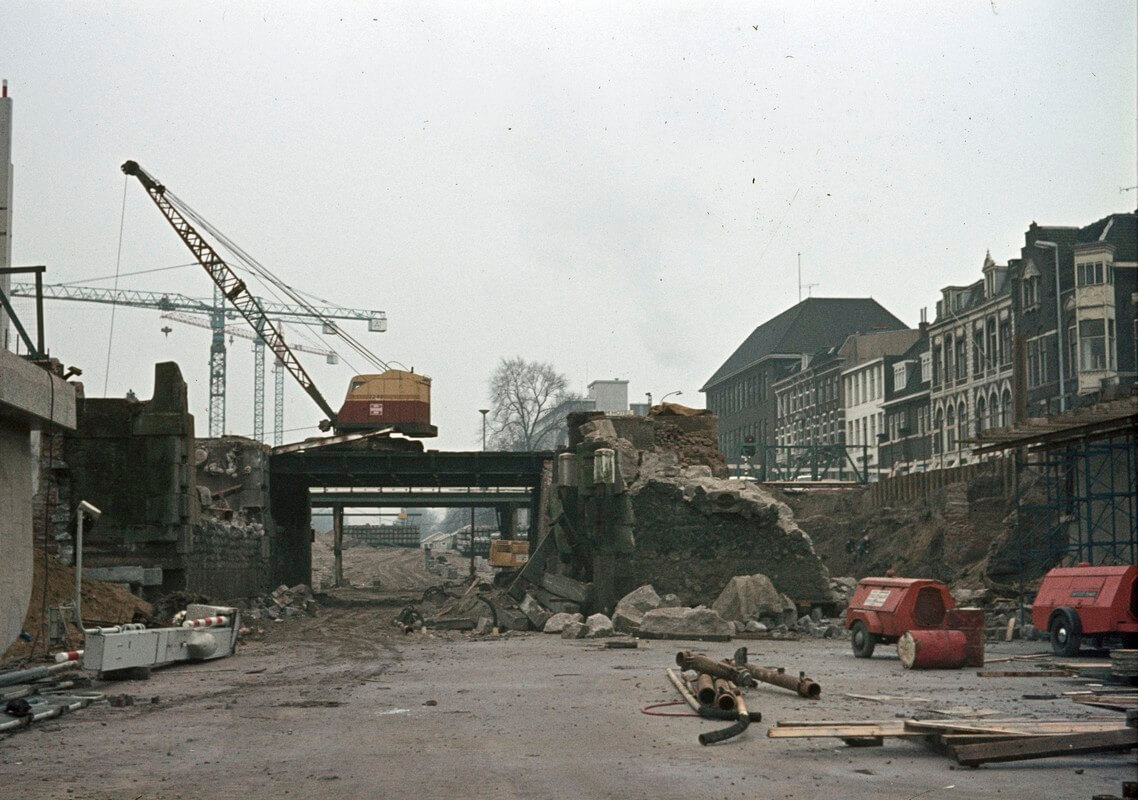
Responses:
[1058,325]
[669,394]
[483,412]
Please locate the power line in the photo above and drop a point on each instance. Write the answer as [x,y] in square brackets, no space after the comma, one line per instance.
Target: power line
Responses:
[117,275]
[114,306]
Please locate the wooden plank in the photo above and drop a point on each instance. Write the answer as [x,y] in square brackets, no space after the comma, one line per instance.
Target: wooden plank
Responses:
[816,723]
[1004,659]
[1108,704]
[889,698]
[1010,632]
[964,712]
[971,755]
[1026,727]
[1024,673]
[840,731]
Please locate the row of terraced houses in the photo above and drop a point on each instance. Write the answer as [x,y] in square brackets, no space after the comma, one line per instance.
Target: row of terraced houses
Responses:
[1049,330]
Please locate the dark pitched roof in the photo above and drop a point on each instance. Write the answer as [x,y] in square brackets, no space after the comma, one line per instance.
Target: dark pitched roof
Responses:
[1121,230]
[815,324]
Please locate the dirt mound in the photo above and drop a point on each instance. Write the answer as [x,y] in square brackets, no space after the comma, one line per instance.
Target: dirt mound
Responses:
[957,534]
[103,603]
[389,568]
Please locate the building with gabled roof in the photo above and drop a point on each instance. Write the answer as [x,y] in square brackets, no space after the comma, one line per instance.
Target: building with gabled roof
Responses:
[741,391]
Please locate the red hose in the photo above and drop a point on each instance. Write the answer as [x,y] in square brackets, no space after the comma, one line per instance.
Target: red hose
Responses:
[648,710]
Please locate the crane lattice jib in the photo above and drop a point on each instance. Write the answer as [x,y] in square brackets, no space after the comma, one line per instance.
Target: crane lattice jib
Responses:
[230,284]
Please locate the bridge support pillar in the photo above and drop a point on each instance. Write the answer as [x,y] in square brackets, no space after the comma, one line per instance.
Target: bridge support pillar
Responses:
[291,553]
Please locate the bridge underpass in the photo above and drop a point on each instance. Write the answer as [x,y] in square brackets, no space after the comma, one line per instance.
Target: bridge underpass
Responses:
[347,476]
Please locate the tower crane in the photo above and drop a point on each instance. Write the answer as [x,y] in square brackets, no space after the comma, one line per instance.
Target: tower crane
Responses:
[217,314]
[330,357]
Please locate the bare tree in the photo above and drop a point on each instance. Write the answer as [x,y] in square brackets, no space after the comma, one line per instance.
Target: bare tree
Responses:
[525,397]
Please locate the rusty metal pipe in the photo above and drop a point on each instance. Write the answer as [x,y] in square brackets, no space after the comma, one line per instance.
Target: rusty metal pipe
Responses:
[705,689]
[725,695]
[717,669]
[777,677]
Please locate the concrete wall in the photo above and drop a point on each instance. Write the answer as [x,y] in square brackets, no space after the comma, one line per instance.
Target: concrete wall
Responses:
[31,397]
[15,528]
[133,460]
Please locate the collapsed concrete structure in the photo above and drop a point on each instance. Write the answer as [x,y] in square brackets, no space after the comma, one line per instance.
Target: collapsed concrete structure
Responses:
[664,513]
[179,514]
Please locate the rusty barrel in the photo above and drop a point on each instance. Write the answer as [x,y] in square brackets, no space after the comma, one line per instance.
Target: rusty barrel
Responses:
[970,621]
[933,649]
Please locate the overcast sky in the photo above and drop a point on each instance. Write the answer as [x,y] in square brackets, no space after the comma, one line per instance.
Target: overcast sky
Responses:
[618,188]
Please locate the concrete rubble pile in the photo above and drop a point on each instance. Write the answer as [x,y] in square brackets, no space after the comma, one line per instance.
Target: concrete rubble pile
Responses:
[282,603]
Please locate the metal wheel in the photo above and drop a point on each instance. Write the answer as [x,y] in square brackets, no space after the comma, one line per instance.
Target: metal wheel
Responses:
[862,640]
[1066,632]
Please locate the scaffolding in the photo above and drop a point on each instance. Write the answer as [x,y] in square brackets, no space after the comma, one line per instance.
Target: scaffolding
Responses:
[818,463]
[1076,490]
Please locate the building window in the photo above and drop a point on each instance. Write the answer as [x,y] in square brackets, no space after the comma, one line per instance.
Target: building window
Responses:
[1092,273]
[950,428]
[1006,409]
[981,415]
[899,371]
[960,354]
[1005,342]
[961,424]
[1031,291]
[978,360]
[926,367]
[1093,344]
[1039,361]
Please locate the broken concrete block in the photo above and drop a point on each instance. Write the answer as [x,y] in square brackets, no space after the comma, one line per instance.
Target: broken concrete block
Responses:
[755,627]
[670,601]
[555,604]
[483,626]
[598,626]
[680,622]
[632,607]
[538,616]
[512,619]
[557,623]
[574,630]
[567,588]
[748,596]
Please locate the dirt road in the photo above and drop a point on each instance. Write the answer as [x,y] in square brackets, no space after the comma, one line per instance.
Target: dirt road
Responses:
[344,706]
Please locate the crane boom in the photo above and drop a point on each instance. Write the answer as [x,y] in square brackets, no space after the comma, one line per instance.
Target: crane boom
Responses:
[231,285]
[172,301]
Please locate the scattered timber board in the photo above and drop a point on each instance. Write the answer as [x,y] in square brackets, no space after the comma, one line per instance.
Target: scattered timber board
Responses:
[964,712]
[1024,673]
[836,730]
[1106,701]
[1004,659]
[1006,728]
[1076,666]
[888,698]
[755,635]
[1021,749]
[706,637]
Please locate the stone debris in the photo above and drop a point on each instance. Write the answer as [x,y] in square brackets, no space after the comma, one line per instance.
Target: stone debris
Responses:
[747,597]
[598,626]
[557,623]
[680,622]
[574,630]
[282,603]
[633,606]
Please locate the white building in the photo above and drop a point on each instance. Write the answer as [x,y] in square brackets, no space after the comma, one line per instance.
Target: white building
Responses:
[610,397]
[863,396]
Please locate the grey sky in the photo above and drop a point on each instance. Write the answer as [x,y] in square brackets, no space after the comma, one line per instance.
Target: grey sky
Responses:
[620,189]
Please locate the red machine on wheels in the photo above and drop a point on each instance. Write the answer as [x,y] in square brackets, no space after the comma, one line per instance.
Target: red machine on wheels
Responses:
[883,609]
[1076,603]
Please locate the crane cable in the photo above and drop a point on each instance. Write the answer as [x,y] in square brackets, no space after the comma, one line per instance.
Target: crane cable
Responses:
[114,303]
[258,269]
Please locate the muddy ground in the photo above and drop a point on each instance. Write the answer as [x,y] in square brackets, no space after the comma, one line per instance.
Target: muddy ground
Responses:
[342,705]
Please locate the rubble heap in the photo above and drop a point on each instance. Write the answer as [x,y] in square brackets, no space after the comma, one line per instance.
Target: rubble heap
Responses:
[694,528]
